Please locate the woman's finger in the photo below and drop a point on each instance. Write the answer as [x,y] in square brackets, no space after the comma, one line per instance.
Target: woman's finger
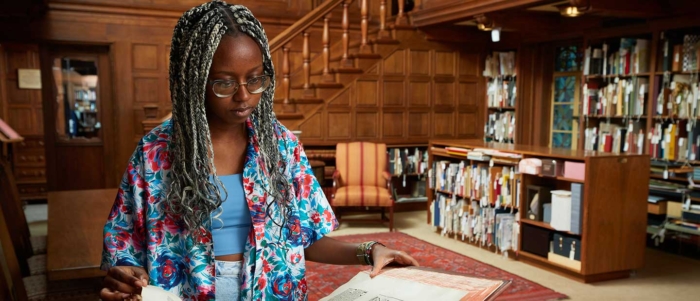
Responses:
[120,286]
[107,294]
[380,264]
[128,276]
[406,259]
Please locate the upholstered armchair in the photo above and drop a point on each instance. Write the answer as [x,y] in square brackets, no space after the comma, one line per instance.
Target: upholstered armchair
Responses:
[361,180]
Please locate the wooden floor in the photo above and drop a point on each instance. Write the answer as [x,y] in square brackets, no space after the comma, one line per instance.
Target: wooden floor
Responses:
[665,277]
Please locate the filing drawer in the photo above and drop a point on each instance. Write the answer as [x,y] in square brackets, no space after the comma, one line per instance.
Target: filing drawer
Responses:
[32,174]
[563,244]
[32,191]
[30,158]
[31,143]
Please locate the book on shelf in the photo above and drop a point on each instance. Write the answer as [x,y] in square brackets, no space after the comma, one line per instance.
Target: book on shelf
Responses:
[623,97]
[402,162]
[632,57]
[500,127]
[499,64]
[615,138]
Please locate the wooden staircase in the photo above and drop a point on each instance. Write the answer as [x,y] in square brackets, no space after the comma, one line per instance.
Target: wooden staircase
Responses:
[321,77]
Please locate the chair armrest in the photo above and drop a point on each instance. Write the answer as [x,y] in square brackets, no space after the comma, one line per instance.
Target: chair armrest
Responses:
[336,182]
[386,175]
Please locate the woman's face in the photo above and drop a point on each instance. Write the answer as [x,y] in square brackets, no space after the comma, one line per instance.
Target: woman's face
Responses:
[239,59]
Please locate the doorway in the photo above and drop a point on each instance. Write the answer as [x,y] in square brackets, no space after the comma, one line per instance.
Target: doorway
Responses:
[78,117]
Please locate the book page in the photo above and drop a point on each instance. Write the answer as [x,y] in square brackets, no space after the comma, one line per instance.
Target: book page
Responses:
[412,283]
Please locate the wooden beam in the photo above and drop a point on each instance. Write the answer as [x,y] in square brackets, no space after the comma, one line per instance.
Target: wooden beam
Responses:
[627,9]
[454,12]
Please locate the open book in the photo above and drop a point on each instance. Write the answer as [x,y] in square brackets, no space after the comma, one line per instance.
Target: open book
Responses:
[417,283]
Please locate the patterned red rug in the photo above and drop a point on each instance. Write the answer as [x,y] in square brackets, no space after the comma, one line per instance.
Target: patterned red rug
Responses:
[323,279]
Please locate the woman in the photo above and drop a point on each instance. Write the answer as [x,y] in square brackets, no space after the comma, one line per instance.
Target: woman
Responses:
[220,201]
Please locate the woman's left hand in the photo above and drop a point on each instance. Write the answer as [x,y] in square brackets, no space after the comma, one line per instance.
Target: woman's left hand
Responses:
[382,256]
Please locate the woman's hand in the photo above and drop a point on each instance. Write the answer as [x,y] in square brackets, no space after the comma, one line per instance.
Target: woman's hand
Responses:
[123,282]
[382,256]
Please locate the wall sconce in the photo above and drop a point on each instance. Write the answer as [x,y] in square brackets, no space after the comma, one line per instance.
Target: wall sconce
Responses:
[484,23]
[570,11]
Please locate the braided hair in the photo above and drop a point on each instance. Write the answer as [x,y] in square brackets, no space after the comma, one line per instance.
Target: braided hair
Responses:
[192,195]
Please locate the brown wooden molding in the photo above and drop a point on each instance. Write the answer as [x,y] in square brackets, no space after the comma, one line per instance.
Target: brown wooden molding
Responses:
[453,12]
[144,12]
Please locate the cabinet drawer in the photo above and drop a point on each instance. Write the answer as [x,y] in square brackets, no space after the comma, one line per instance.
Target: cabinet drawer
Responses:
[27,158]
[30,174]
[31,143]
[32,191]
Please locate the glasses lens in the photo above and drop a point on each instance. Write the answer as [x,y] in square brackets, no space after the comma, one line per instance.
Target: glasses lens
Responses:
[225,88]
[258,84]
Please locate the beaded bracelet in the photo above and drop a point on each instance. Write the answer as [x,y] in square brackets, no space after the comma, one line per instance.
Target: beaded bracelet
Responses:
[364,252]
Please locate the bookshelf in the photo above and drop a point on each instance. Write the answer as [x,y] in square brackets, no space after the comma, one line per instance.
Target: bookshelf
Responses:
[613,192]
[500,71]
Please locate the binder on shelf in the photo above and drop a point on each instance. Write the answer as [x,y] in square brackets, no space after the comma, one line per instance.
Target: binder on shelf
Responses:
[576,207]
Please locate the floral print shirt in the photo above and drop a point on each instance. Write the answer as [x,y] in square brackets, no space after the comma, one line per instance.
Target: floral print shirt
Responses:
[138,232]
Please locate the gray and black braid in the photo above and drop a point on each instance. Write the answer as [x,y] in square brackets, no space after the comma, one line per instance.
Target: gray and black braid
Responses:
[192,195]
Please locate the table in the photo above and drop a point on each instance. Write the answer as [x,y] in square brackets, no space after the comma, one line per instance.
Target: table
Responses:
[75,222]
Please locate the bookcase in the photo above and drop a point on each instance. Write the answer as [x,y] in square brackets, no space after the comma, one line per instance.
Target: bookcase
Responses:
[500,72]
[612,190]
[640,94]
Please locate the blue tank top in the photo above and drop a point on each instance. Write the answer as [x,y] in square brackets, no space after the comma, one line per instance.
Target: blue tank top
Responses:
[230,237]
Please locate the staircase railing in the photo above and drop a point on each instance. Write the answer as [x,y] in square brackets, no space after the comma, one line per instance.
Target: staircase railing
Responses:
[302,28]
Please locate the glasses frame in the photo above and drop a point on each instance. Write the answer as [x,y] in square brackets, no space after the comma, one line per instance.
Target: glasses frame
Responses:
[213,83]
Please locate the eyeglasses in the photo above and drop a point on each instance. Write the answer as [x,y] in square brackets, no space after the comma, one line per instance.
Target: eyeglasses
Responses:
[227,88]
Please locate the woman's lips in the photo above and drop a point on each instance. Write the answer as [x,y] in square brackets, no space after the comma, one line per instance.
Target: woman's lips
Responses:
[242,111]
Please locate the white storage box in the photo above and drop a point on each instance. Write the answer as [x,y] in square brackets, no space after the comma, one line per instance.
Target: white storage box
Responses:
[561,210]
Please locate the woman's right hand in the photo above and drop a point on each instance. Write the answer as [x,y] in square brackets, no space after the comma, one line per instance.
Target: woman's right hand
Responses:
[123,282]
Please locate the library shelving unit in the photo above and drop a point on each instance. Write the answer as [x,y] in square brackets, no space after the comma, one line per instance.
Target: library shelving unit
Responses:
[614,189]
[500,72]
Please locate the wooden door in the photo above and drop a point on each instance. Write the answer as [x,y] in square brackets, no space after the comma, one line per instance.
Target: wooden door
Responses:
[78,117]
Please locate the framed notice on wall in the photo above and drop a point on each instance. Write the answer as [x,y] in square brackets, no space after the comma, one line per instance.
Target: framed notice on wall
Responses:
[29,78]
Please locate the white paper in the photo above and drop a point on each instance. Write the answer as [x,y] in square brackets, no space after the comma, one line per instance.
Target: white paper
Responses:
[154,293]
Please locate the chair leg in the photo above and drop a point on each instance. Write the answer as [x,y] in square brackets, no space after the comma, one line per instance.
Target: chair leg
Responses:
[391,218]
[383,216]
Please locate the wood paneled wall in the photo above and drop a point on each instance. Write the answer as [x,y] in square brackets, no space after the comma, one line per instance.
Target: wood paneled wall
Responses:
[22,110]
[138,42]
[420,91]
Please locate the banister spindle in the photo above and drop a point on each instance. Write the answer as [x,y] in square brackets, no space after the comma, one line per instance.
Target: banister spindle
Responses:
[285,78]
[306,56]
[383,33]
[345,61]
[327,76]
[401,18]
[364,47]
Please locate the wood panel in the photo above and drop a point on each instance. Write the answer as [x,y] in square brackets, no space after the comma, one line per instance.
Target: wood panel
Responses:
[469,64]
[342,100]
[366,93]
[393,93]
[313,126]
[22,110]
[395,64]
[145,56]
[443,124]
[444,93]
[468,95]
[393,126]
[339,125]
[419,93]
[417,122]
[367,125]
[614,178]
[146,90]
[467,125]
[445,63]
[420,62]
